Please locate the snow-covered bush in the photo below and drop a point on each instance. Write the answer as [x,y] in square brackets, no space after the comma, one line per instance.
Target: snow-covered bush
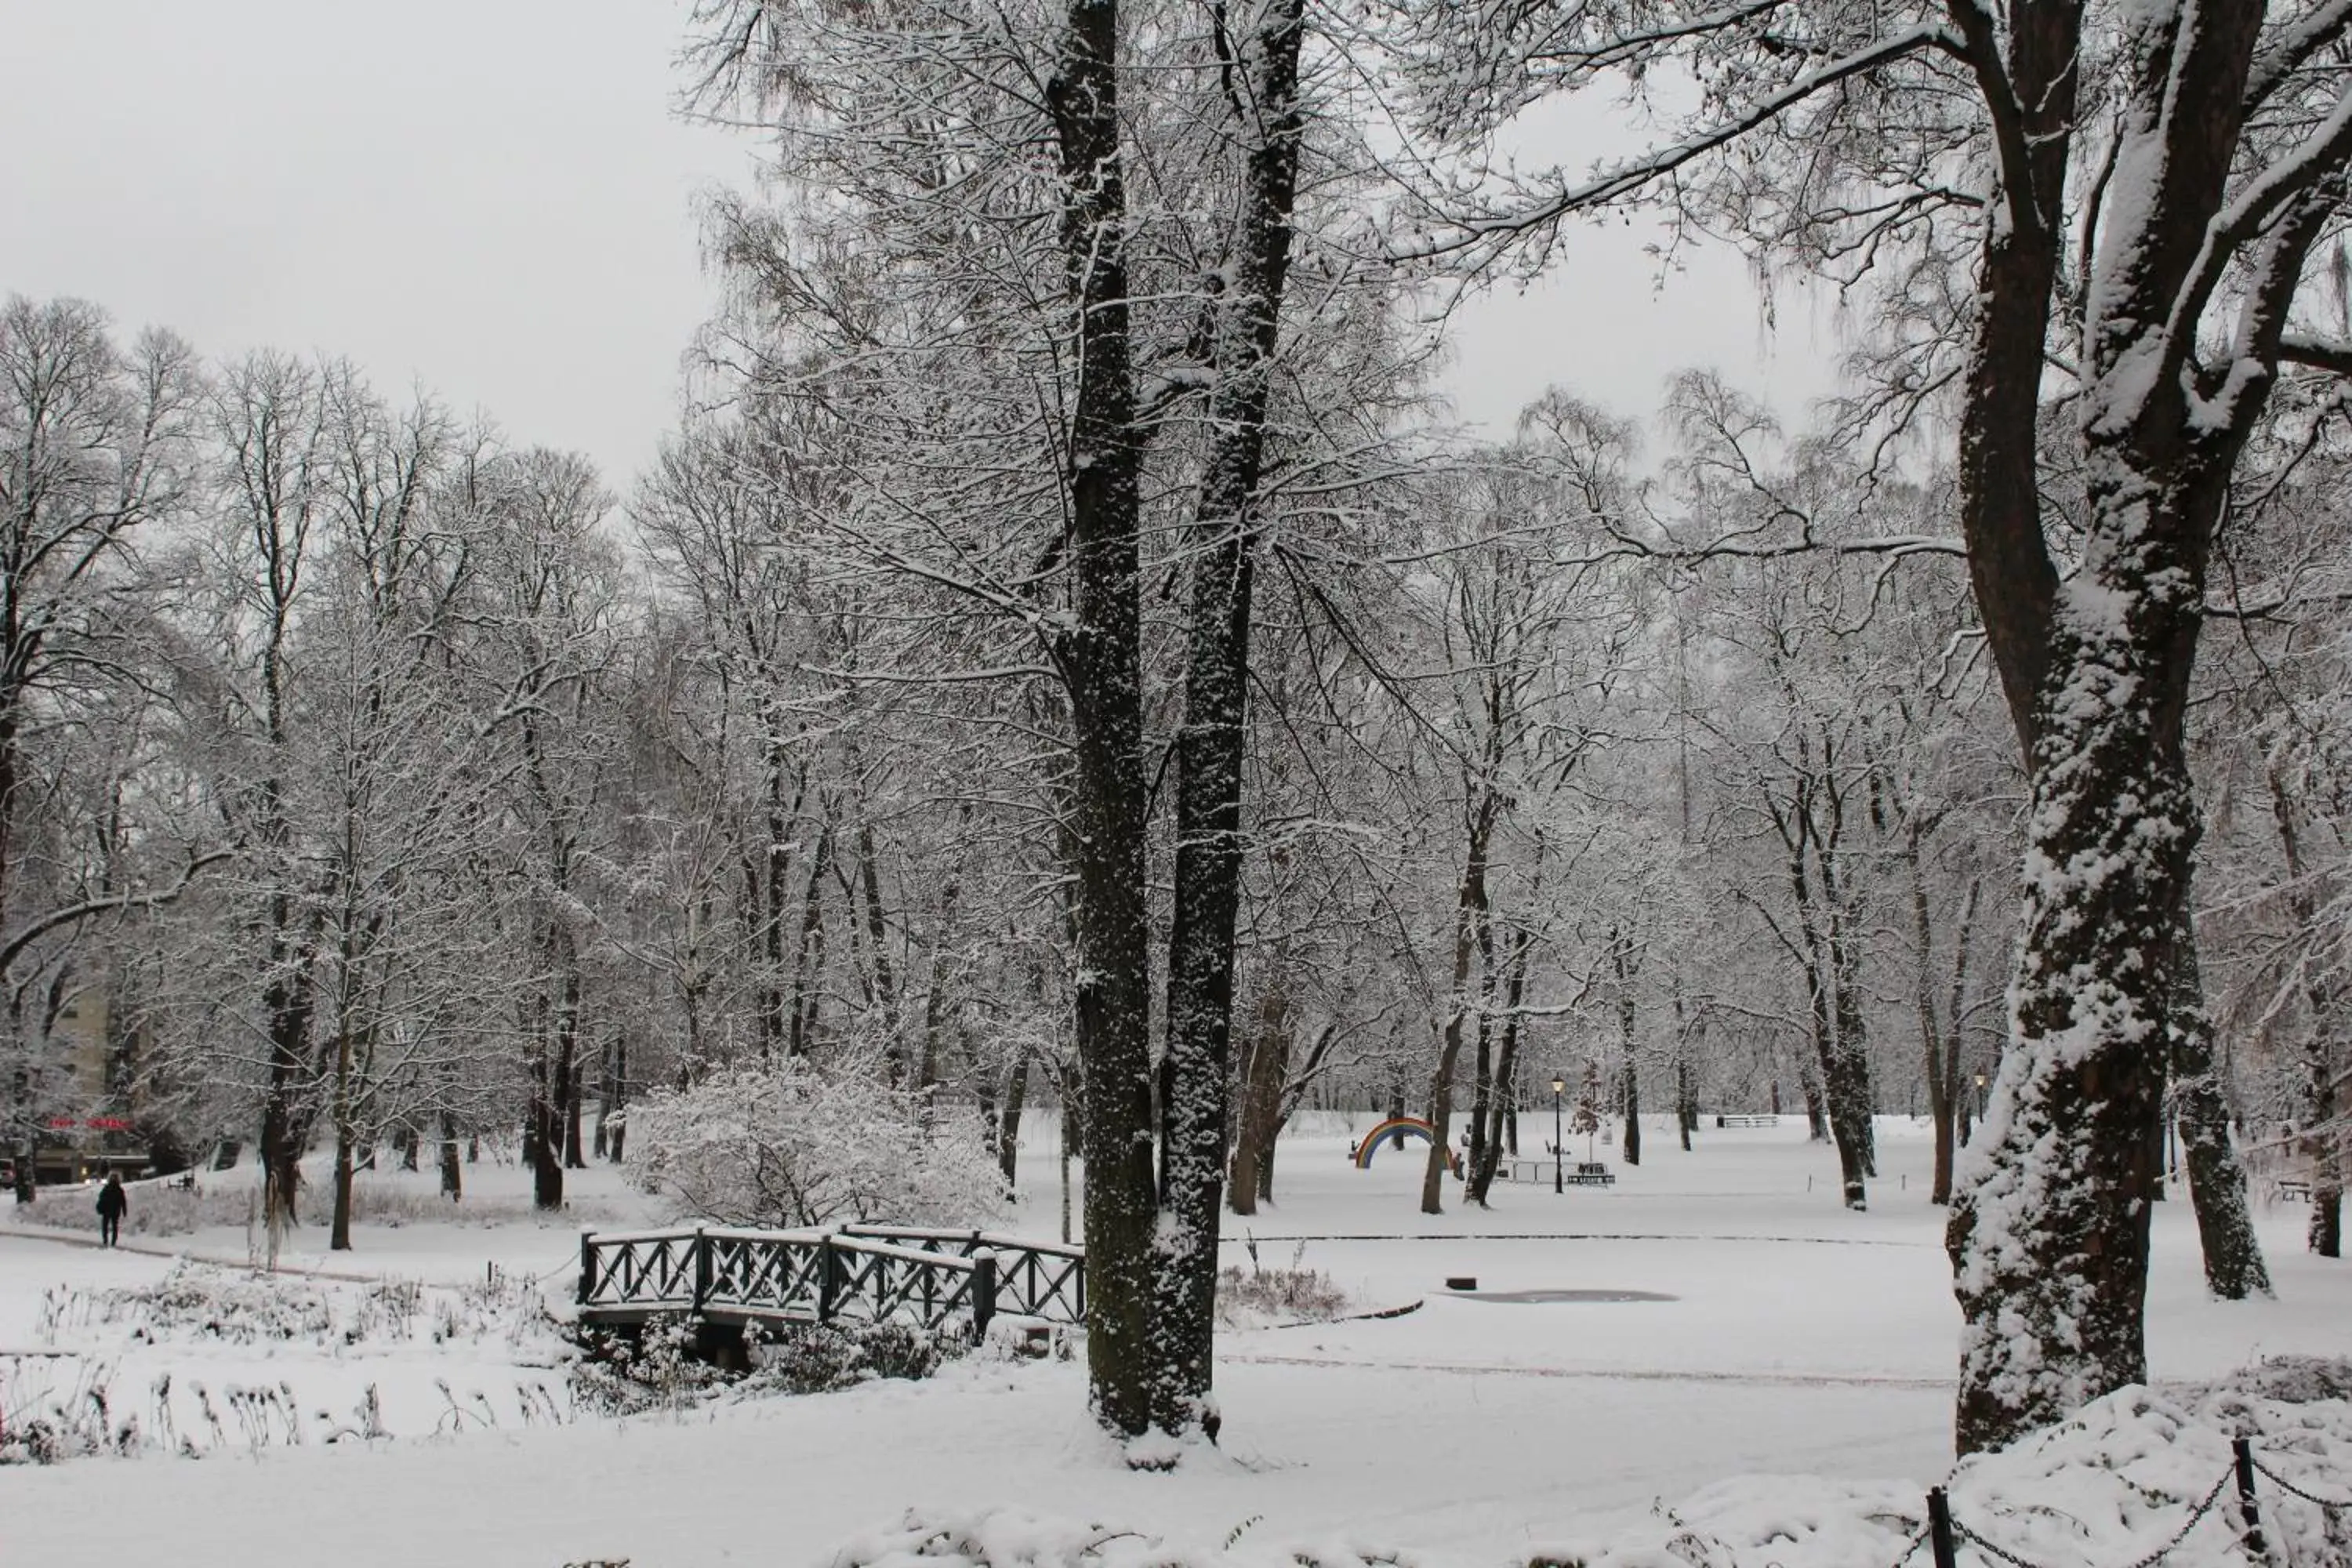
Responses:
[204,1303]
[1276,1297]
[1010,1538]
[794,1144]
[655,1368]
[56,1408]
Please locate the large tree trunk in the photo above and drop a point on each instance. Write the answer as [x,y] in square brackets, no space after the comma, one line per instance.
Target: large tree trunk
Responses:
[1630,1096]
[2049,1230]
[1844,1091]
[1481,1069]
[1947,1096]
[552,1025]
[1210,747]
[1262,1082]
[775,866]
[576,1087]
[453,1171]
[1101,661]
[878,937]
[617,1133]
[1686,1077]
[2049,1241]
[939,1004]
[339,1237]
[1008,1120]
[2049,1234]
[1470,912]
[2325,1234]
[2324,1141]
[286,1004]
[2234,1268]
[1506,1074]
[808,956]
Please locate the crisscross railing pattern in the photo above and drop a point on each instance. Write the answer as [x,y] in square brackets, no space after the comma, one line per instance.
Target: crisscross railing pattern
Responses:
[1042,1280]
[868,1274]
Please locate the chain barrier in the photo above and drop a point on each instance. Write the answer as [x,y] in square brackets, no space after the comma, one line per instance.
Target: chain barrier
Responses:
[2288,1486]
[1911,1547]
[2196,1517]
[2242,1470]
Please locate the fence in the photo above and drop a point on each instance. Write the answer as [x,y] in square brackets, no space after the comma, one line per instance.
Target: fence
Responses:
[870,1273]
[1945,1534]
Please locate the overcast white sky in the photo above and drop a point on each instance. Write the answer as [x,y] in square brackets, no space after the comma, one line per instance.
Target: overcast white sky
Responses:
[493,199]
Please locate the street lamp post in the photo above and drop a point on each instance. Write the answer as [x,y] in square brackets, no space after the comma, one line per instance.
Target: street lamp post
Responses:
[1559,1088]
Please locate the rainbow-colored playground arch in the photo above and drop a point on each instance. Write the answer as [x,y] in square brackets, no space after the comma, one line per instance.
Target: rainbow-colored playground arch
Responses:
[1400,1127]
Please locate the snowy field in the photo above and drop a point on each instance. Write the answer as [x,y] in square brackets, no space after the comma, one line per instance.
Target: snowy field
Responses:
[1785,1337]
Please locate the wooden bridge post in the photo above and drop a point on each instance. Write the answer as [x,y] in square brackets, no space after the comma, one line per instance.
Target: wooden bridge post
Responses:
[701,1268]
[587,1265]
[826,1280]
[983,1294]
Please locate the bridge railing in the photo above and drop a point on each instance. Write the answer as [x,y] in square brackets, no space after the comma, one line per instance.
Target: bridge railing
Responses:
[1042,1280]
[863,1273]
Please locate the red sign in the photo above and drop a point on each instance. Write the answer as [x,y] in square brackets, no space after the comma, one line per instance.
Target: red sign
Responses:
[96,1124]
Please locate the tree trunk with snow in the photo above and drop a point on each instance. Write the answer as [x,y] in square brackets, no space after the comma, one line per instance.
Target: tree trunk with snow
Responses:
[2234,1268]
[453,1173]
[1507,1071]
[1262,1082]
[1630,1097]
[1197,1072]
[1101,656]
[1470,908]
[2324,1138]
[2049,1234]
[1008,1120]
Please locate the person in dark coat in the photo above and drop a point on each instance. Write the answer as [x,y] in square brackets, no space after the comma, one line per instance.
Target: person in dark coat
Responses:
[113,1203]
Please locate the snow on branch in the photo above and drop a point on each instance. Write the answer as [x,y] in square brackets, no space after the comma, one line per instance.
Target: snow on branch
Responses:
[2300,40]
[1628,178]
[89,909]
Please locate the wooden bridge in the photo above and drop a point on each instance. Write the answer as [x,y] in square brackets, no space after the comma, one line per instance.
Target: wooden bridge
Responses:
[727,1278]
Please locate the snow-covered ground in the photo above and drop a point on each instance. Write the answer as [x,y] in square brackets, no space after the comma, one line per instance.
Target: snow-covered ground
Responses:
[1793,1339]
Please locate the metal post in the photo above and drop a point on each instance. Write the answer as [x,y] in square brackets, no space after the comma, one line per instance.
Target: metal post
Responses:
[1558,1184]
[1939,1530]
[2244,1451]
[983,1294]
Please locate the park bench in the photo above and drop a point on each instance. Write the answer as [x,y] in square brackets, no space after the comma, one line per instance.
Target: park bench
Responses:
[1748,1122]
[1590,1173]
[2293,1188]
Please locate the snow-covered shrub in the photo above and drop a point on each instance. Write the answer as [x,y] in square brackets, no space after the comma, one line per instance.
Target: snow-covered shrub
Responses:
[56,1408]
[794,1144]
[654,1369]
[1010,1538]
[1272,1297]
[197,1302]
[617,1373]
